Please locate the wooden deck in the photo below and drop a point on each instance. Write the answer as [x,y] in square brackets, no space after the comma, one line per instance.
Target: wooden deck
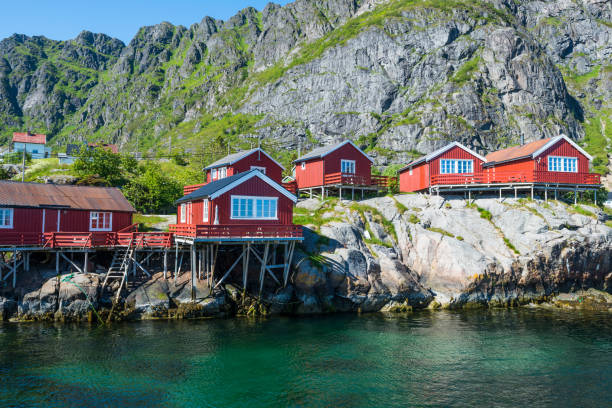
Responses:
[501,177]
[238,233]
[86,240]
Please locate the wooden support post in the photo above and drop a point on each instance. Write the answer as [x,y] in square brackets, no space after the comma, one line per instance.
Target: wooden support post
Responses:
[57,263]
[545,194]
[134,260]
[213,264]
[71,263]
[231,268]
[262,272]
[555,194]
[532,192]
[353,194]
[86,261]
[165,263]
[575,196]
[176,257]
[515,193]
[362,194]
[595,198]
[469,196]
[193,270]
[288,259]
[15,267]
[340,193]
[500,193]
[245,266]
[311,193]
[200,264]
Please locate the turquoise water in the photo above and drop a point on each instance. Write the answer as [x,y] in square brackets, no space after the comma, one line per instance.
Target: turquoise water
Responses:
[481,358]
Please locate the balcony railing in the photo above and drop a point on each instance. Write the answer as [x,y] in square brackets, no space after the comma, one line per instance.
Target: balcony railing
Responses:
[516,177]
[357,180]
[190,189]
[290,186]
[248,231]
[86,239]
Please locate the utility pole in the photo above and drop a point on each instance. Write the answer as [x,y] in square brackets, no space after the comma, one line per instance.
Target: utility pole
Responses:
[23,164]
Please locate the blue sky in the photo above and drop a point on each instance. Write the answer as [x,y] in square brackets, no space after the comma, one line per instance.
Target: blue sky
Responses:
[64,19]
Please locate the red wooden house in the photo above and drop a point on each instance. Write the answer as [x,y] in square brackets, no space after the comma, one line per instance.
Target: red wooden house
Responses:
[254,159]
[449,165]
[341,164]
[27,210]
[557,160]
[247,204]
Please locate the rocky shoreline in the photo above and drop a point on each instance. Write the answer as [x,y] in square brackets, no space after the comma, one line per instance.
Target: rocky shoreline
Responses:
[387,254]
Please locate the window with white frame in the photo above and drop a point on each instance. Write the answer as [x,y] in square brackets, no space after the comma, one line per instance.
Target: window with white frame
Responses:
[410,172]
[100,221]
[456,166]
[213,174]
[223,172]
[347,166]
[303,165]
[255,208]
[262,169]
[563,164]
[6,218]
[205,211]
[183,213]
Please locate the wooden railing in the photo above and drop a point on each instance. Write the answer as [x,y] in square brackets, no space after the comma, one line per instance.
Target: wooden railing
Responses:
[21,238]
[145,239]
[516,177]
[255,231]
[357,180]
[190,189]
[78,239]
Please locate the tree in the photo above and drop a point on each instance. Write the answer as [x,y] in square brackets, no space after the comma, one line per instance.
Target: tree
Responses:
[152,191]
[4,174]
[104,167]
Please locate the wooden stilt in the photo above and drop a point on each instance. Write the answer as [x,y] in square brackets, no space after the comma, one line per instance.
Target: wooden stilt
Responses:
[500,193]
[57,263]
[340,193]
[545,194]
[263,268]
[86,262]
[595,197]
[213,264]
[245,267]
[165,263]
[14,268]
[575,196]
[515,193]
[71,262]
[555,194]
[288,258]
[353,194]
[231,268]
[200,264]
[193,272]
[532,192]
[176,257]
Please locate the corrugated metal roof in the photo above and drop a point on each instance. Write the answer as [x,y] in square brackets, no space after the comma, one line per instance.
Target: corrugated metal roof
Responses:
[212,187]
[27,137]
[229,159]
[322,151]
[17,194]
[516,152]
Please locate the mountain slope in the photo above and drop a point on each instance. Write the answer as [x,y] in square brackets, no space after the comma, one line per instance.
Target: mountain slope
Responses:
[400,77]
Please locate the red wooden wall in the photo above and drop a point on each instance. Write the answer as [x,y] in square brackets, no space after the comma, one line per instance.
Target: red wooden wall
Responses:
[363,165]
[311,176]
[419,180]
[454,153]
[273,170]
[31,220]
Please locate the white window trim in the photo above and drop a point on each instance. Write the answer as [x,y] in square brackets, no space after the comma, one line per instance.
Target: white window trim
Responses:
[455,167]
[110,223]
[222,172]
[260,168]
[410,171]
[11,215]
[303,165]
[561,169]
[254,198]
[205,206]
[213,174]
[352,162]
[183,213]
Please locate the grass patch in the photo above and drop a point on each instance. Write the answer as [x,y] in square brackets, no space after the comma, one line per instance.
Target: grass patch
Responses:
[509,245]
[466,71]
[146,222]
[577,209]
[485,214]
[400,207]
[413,219]
[441,231]
[377,217]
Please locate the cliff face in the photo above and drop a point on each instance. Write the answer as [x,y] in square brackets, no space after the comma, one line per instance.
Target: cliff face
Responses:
[398,76]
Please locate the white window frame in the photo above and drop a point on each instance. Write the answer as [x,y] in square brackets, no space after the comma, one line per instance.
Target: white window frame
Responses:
[410,172]
[260,168]
[97,217]
[205,205]
[11,213]
[303,165]
[350,163]
[222,172]
[183,213]
[254,204]
[213,174]
[454,166]
[560,166]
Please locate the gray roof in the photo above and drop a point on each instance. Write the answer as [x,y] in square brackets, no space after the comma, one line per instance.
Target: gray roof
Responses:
[322,151]
[212,187]
[438,152]
[234,157]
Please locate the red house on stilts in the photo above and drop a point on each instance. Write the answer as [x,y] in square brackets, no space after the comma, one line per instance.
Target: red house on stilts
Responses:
[254,159]
[336,167]
[453,164]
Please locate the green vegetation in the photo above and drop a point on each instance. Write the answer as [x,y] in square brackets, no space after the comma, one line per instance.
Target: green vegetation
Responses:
[323,215]
[151,190]
[441,231]
[465,72]
[509,245]
[413,219]
[376,217]
[579,210]
[146,222]
[485,214]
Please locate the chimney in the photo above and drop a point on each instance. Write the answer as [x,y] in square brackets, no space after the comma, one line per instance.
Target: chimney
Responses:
[522,139]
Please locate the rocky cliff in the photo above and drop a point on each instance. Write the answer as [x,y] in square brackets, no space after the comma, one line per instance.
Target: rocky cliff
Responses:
[385,254]
[401,77]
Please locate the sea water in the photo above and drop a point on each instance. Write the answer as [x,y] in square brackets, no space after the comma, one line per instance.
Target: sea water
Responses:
[505,358]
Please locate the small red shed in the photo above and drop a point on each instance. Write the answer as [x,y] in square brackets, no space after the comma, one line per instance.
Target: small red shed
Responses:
[246,198]
[254,159]
[38,208]
[449,165]
[553,160]
[334,164]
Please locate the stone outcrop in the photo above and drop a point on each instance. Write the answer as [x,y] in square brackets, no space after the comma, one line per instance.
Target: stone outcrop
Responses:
[393,253]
